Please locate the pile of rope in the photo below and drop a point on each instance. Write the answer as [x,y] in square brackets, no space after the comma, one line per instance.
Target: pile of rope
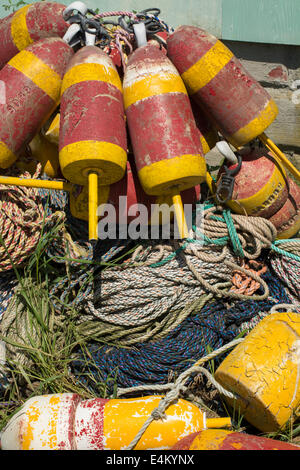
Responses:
[156,361]
[285,263]
[22,222]
[160,308]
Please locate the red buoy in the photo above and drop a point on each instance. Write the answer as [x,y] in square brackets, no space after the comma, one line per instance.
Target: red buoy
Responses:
[259,186]
[164,136]
[28,25]
[32,82]
[287,219]
[220,439]
[237,104]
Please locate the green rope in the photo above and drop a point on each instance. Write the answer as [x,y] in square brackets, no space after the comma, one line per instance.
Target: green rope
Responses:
[236,244]
[275,248]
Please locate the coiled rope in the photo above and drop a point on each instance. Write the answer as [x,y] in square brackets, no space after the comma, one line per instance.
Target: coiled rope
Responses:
[153,361]
[22,221]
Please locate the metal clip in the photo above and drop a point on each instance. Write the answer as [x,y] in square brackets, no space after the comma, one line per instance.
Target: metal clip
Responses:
[226,185]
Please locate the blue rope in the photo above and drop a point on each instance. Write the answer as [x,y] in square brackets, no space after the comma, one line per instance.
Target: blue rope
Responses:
[152,362]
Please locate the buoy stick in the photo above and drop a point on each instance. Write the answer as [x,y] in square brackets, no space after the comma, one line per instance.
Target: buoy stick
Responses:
[93,206]
[180,217]
[284,160]
[36,183]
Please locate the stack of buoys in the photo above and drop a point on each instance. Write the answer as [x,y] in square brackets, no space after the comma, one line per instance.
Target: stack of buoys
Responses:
[69,108]
[241,109]
[176,100]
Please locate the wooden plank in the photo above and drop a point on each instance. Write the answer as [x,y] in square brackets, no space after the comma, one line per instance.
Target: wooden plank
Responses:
[268,21]
[285,129]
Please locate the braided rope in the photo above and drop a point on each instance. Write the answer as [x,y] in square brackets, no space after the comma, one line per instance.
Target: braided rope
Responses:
[106,14]
[173,394]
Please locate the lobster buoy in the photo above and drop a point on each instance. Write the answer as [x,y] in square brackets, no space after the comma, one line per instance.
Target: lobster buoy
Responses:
[164,136]
[237,104]
[66,422]
[260,187]
[30,24]
[221,439]
[32,85]
[92,134]
[263,372]
[287,219]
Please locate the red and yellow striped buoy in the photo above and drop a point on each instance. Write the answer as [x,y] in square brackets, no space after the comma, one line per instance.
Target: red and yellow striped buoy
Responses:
[32,83]
[164,136]
[64,422]
[92,135]
[260,187]
[263,372]
[220,439]
[28,25]
[239,107]
[287,219]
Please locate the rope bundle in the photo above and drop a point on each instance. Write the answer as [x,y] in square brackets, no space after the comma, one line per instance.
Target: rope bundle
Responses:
[22,220]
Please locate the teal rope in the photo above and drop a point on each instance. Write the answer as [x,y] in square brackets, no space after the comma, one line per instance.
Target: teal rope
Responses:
[236,244]
[275,248]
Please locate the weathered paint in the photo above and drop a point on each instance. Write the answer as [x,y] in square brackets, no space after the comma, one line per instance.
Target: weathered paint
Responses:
[30,24]
[287,219]
[92,133]
[164,136]
[32,82]
[263,371]
[236,103]
[124,418]
[43,423]
[65,422]
[217,439]
[260,186]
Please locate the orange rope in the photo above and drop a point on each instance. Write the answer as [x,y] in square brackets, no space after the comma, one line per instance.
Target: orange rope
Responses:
[244,284]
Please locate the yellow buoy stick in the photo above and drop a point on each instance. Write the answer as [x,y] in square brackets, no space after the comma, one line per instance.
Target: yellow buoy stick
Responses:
[274,149]
[180,216]
[36,183]
[93,206]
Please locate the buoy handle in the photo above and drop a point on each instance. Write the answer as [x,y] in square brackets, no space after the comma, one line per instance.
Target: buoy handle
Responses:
[279,154]
[180,216]
[93,205]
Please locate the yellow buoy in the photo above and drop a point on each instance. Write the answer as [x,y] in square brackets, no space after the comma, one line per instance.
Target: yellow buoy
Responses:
[264,372]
